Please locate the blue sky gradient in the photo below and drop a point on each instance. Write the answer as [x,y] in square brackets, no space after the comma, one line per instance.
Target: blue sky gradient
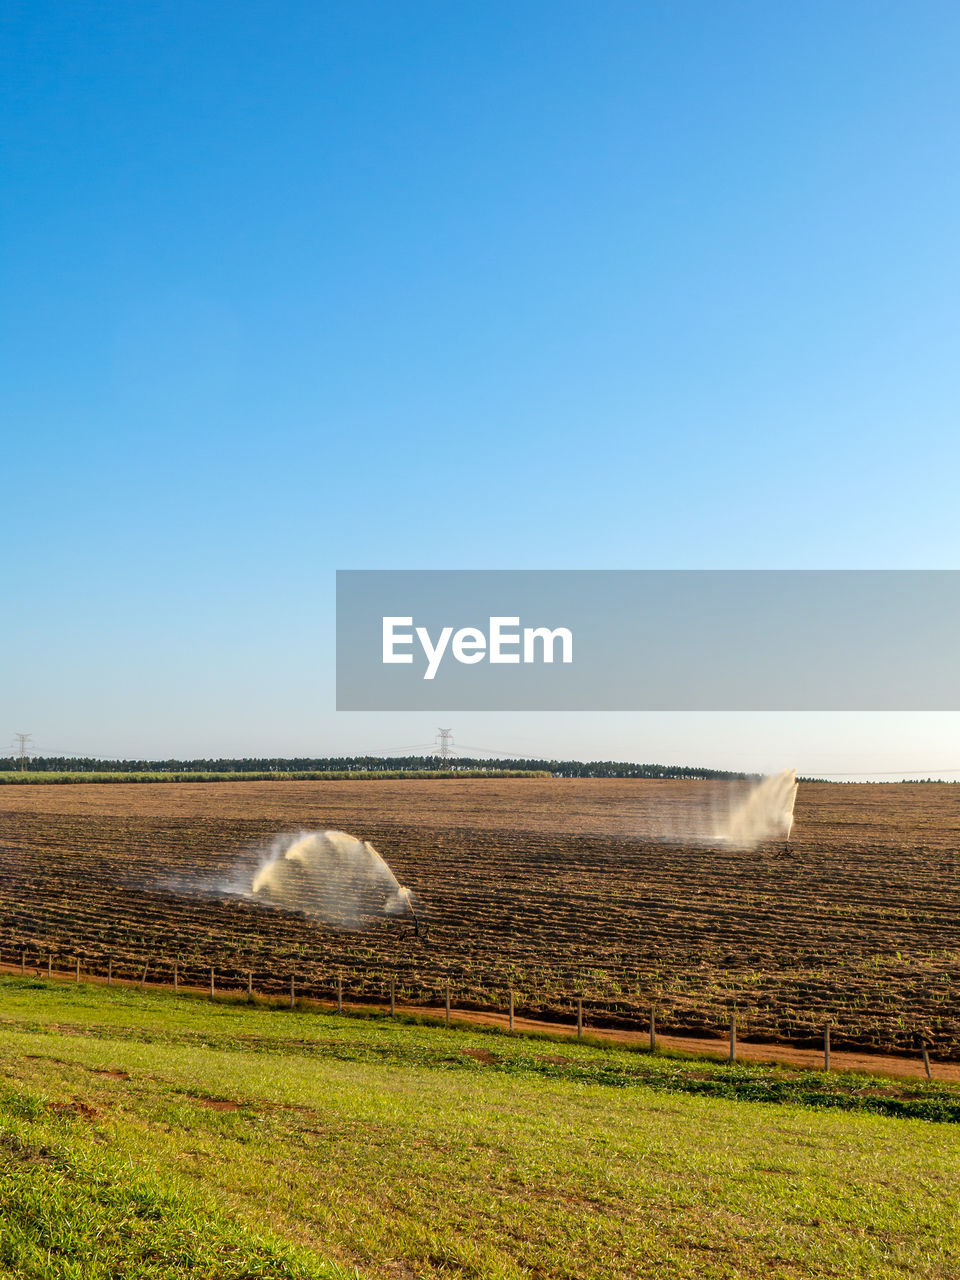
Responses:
[387,285]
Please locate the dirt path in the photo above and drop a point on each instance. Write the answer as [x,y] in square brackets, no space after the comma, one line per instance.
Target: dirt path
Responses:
[747,1051]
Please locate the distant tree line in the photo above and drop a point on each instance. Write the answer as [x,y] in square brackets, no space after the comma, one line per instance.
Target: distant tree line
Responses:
[368,764]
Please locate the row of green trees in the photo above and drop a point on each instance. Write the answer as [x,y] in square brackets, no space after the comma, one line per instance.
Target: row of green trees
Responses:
[368,764]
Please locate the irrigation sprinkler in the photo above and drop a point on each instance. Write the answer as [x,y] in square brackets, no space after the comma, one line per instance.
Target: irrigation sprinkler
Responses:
[926,1058]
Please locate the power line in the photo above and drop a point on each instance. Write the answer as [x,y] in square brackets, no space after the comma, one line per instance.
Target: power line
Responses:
[883,773]
[500,753]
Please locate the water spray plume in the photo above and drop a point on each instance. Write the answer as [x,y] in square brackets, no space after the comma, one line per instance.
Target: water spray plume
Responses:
[333,877]
[765,813]
[737,814]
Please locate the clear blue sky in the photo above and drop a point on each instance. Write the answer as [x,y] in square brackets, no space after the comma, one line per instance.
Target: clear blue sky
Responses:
[287,288]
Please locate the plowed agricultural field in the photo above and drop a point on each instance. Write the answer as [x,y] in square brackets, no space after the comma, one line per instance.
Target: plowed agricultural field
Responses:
[558,888]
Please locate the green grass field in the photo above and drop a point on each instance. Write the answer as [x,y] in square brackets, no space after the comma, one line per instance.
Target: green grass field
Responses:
[143,1135]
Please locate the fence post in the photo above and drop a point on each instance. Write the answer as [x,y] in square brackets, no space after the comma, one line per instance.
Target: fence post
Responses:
[78,968]
[393,995]
[249,984]
[733,1037]
[292,995]
[926,1058]
[653,1030]
[211,982]
[579,1018]
[109,971]
[49,965]
[510,1015]
[176,974]
[826,1046]
[143,976]
[23,962]
[339,993]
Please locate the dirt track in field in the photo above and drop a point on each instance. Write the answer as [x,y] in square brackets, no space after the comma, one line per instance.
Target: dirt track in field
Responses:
[557,888]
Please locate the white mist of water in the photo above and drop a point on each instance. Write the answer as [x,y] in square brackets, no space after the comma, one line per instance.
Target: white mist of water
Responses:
[765,813]
[333,877]
[737,814]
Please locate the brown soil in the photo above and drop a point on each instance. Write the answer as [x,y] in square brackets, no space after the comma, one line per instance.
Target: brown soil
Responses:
[557,888]
[480,1055]
[82,1109]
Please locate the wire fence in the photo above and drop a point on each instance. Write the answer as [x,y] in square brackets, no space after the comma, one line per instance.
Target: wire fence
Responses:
[346,991]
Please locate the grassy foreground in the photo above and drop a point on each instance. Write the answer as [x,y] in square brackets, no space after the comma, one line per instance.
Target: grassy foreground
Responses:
[146,1136]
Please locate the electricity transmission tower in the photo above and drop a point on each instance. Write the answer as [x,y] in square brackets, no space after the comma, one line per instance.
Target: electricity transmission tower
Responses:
[23,748]
[445,739]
